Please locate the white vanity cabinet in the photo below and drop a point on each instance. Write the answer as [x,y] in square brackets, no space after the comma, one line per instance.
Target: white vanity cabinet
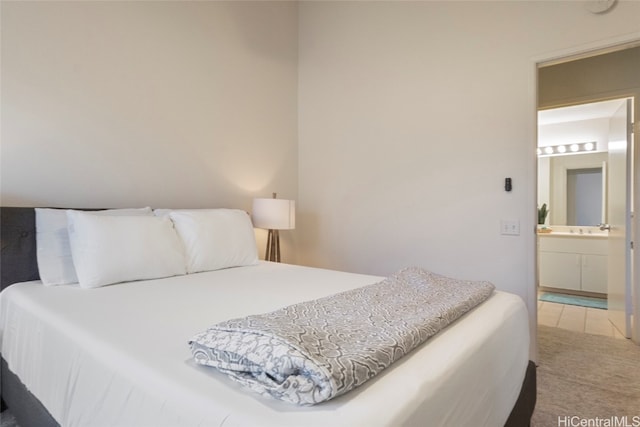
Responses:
[576,262]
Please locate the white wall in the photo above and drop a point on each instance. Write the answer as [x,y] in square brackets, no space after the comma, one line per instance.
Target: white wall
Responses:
[411,116]
[592,130]
[544,184]
[168,104]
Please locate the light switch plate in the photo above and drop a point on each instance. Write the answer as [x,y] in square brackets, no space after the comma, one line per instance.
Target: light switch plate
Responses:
[510,227]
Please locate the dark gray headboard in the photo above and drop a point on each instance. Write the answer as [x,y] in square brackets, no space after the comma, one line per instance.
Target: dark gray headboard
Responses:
[18,261]
[18,258]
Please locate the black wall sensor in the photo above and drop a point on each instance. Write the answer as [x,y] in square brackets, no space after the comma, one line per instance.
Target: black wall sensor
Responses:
[507,184]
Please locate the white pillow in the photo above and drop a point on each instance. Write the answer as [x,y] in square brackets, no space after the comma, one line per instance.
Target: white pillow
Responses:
[114,249]
[55,264]
[216,238]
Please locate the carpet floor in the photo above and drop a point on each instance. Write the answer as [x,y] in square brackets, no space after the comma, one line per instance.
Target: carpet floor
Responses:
[586,376]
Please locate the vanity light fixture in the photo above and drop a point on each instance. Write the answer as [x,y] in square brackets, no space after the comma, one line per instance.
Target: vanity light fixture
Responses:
[554,150]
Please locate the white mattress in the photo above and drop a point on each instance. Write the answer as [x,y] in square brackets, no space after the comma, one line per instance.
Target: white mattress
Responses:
[118,355]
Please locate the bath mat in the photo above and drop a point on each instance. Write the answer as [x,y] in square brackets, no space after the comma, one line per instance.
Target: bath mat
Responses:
[574,300]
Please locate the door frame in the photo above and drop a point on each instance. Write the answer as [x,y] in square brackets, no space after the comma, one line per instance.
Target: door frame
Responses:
[596,49]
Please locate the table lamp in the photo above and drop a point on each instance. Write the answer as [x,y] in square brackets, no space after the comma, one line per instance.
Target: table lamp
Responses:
[274,215]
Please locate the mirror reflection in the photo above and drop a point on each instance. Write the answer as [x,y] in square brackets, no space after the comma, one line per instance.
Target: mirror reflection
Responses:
[572,162]
[584,196]
[573,187]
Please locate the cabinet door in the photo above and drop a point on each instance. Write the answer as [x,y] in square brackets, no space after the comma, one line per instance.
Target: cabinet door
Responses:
[594,273]
[560,270]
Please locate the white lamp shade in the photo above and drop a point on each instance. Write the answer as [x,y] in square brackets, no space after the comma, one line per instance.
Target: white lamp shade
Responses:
[274,214]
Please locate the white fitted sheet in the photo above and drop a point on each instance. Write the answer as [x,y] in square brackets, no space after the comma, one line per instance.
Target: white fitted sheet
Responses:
[118,355]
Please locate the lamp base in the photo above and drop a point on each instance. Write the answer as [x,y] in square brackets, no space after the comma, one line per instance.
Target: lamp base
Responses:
[272,252]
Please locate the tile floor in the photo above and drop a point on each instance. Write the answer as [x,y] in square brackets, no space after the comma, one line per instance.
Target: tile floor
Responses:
[574,318]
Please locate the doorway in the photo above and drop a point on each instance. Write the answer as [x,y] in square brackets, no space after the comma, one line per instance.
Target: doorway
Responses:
[569,83]
[575,170]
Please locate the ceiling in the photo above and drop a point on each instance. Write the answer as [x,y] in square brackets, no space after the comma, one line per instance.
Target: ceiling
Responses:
[595,110]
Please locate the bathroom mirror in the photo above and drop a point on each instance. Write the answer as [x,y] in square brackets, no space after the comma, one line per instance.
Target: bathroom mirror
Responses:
[574,188]
[573,143]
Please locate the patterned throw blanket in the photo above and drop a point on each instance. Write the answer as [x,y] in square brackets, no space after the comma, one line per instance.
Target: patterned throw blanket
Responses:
[311,352]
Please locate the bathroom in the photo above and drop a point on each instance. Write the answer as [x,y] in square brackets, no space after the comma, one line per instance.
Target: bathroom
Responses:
[578,168]
[588,107]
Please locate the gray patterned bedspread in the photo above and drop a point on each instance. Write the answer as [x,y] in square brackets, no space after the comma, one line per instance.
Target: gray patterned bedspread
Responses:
[311,352]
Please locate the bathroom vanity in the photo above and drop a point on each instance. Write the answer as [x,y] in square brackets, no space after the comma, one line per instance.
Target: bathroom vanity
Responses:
[574,258]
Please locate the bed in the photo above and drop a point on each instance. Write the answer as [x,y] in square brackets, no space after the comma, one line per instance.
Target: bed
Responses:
[118,355]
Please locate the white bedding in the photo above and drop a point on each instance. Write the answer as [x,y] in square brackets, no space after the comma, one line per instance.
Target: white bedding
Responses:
[118,355]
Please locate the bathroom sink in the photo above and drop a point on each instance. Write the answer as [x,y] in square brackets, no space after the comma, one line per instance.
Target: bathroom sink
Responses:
[573,231]
[577,234]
